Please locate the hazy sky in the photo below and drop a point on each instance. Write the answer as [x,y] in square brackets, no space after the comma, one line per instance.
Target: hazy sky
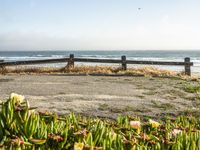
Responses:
[99,24]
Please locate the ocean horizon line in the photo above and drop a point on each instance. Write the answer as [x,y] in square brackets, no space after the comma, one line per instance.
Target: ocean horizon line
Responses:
[104,50]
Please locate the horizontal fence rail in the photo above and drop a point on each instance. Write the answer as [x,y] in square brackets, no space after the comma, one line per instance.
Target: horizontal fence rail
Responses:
[33,62]
[186,63]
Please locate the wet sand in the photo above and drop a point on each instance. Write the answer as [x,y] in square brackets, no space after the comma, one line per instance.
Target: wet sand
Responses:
[102,96]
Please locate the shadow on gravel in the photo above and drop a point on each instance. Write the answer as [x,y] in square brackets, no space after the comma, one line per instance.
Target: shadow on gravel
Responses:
[6,80]
[107,75]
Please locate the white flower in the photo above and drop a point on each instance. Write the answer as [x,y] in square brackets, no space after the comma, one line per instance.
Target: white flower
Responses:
[17,98]
[135,124]
[176,131]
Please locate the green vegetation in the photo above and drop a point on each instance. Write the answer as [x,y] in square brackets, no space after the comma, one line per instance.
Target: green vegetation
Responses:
[196,99]
[190,112]
[164,106]
[113,109]
[192,88]
[23,128]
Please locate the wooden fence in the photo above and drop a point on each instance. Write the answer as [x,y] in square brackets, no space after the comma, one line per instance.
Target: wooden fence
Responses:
[123,61]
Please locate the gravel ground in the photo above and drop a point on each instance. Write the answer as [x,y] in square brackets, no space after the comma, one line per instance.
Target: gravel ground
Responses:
[102,96]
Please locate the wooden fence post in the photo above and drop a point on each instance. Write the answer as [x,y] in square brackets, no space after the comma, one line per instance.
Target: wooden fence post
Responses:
[124,64]
[2,68]
[71,61]
[187,66]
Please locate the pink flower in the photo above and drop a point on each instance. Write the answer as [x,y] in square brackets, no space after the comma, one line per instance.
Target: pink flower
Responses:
[135,124]
[176,131]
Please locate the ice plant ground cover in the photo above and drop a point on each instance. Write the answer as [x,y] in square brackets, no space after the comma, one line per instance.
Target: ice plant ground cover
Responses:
[21,127]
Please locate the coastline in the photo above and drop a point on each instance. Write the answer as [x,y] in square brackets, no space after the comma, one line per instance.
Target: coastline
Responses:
[147,55]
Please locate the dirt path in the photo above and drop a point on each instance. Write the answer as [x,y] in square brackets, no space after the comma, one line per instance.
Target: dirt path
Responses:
[102,96]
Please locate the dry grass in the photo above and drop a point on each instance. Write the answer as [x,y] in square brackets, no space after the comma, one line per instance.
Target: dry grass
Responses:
[93,70]
[147,71]
[151,71]
[22,69]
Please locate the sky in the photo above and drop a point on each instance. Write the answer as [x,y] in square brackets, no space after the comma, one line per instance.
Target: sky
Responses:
[99,24]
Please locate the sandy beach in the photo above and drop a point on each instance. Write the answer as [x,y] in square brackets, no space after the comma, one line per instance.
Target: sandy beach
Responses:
[102,96]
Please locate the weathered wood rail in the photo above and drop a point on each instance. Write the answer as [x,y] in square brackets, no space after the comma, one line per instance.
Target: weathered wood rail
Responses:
[123,61]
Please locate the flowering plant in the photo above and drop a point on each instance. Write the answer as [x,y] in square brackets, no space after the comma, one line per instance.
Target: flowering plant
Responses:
[22,128]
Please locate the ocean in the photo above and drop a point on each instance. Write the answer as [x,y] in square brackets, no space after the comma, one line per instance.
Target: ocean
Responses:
[131,55]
